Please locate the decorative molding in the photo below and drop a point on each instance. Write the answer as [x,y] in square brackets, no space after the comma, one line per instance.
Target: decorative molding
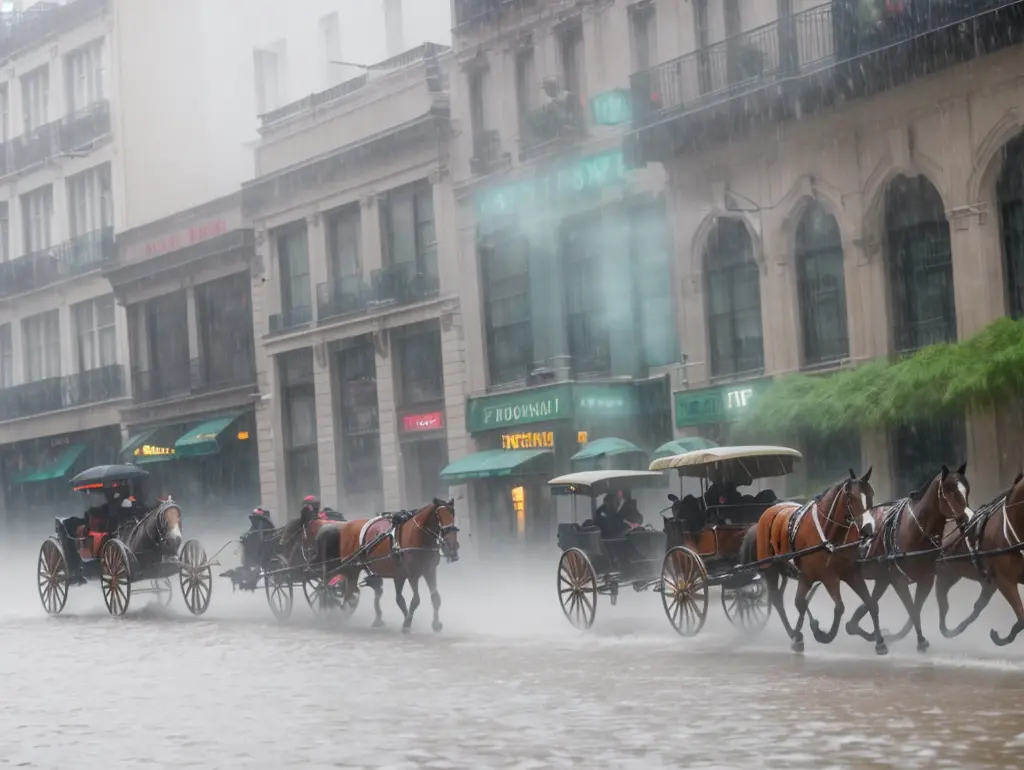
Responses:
[435,176]
[313,220]
[261,238]
[965,217]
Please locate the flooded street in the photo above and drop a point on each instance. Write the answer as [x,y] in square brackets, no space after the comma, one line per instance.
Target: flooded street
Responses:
[507,684]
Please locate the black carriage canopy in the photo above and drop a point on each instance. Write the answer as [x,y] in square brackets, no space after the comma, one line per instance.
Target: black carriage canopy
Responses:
[106,477]
[739,464]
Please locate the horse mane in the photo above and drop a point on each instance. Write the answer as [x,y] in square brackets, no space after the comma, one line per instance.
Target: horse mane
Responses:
[142,524]
[916,494]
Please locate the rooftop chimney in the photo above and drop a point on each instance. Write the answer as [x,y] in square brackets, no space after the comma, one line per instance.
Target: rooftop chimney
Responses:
[393,27]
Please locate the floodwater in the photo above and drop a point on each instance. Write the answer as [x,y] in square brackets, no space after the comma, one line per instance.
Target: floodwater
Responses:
[507,684]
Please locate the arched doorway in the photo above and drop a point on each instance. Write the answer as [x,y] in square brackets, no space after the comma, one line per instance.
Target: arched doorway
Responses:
[733,291]
[920,264]
[1010,195]
[822,287]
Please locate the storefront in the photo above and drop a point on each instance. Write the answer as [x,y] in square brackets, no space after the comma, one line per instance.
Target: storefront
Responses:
[711,412]
[424,447]
[527,437]
[209,462]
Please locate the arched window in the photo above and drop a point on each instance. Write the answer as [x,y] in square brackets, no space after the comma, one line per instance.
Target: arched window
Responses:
[1010,194]
[733,300]
[920,264]
[822,286]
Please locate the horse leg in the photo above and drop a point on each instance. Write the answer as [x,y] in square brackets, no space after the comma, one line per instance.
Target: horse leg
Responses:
[378,592]
[946,579]
[414,581]
[1008,588]
[831,583]
[399,598]
[435,597]
[776,598]
[856,582]
[802,587]
[902,587]
[853,626]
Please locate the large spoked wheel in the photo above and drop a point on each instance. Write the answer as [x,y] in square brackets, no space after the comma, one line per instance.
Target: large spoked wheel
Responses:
[162,589]
[684,590]
[577,588]
[278,583]
[52,572]
[116,577]
[196,578]
[747,607]
[319,596]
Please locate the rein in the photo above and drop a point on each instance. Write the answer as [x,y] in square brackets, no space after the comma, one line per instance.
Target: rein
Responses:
[850,522]
[438,536]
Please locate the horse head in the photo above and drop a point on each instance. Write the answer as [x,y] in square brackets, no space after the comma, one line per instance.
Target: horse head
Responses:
[169,524]
[856,497]
[442,527]
[953,492]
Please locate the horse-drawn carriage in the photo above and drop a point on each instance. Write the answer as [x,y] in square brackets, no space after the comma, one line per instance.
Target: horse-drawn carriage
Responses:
[280,557]
[121,544]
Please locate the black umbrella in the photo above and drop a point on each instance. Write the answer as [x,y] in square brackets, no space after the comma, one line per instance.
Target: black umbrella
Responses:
[107,476]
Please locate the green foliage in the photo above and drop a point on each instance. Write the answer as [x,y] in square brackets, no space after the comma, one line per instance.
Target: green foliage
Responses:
[984,370]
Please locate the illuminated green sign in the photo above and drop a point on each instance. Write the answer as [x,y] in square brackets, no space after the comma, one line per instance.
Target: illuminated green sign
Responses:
[612,108]
[585,176]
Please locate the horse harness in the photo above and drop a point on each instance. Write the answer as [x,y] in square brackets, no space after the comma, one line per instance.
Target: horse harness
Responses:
[397,519]
[797,517]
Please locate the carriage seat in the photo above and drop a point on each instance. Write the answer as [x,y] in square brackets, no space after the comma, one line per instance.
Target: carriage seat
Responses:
[586,537]
[89,538]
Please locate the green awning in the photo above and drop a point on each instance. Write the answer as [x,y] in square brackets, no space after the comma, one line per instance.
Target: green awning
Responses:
[57,468]
[203,439]
[152,446]
[127,453]
[682,445]
[606,447]
[491,463]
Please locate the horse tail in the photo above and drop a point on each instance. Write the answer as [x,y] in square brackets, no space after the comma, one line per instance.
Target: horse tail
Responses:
[748,547]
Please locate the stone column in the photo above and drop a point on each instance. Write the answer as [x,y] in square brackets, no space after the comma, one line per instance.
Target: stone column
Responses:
[60,229]
[68,341]
[547,293]
[978,284]
[453,360]
[686,212]
[192,316]
[326,425]
[780,302]
[370,251]
[316,241]
[390,458]
[268,409]
[18,350]
[446,232]
[470,304]
[983,456]
[124,349]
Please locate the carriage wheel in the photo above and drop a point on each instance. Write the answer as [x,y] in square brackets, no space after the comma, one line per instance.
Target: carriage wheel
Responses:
[196,578]
[577,588]
[329,598]
[162,589]
[748,606]
[52,572]
[278,582]
[684,590]
[115,577]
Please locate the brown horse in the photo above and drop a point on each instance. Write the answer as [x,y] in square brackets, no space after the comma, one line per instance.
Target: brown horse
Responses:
[997,527]
[400,550]
[914,526]
[826,531]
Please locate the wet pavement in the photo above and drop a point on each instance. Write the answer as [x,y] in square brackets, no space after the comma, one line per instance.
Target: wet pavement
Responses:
[507,684]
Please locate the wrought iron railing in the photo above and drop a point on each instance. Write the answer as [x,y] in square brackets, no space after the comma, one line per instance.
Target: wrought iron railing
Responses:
[54,394]
[67,260]
[293,318]
[86,125]
[23,29]
[68,134]
[406,282]
[560,120]
[342,297]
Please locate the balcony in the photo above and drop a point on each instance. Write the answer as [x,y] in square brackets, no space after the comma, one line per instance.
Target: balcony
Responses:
[20,30]
[803,62]
[342,297]
[486,152]
[551,126]
[83,127]
[69,134]
[67,260]
[290,320]
[404,284]
[57,393]
[467,11]
[197,378]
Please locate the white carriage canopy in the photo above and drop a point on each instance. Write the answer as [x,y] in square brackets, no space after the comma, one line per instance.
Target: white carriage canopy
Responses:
[739,464]
[596,483]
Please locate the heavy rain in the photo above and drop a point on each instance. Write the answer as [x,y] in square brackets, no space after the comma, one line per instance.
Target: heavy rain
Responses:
[511,383]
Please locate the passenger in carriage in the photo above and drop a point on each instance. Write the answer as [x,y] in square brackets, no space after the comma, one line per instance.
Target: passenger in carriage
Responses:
[617,514]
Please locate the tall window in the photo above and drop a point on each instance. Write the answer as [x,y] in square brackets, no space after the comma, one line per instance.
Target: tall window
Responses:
[299,400]
[90,205]
[37,219]
[225,330]
[6,357]
[269,65]
[505,268]
[419,358]
[83,70]
[41,335]
[920,264]
[35,98]
[651,246]
[571,48]
[643,36]
[360,423]
[527,86]
[343,240]
[822,287]
[1010,192]
[293,256]
[733,300]
[409,219]
[583,253]
[96,333]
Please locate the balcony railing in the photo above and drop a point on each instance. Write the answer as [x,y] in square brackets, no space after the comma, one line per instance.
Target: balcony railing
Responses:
[293,318]
[481,10]
[486,151]
[67,260]
[84,126]
[23,29]
[341,297]
[816,40]
[95,386]
[405,283]
[198,377]
[69,134]
[558,121]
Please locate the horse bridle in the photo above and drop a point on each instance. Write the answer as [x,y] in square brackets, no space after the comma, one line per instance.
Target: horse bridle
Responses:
[442,531]
[850,520]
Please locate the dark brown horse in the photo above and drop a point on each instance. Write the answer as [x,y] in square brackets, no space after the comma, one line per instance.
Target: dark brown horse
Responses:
[402,552]
[997,528]
[827,529]
[913,525]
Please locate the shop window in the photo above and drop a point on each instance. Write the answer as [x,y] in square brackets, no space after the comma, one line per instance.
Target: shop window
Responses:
[1010,192]
[586,315]
[921,449]
[822,287]
[733,300]
[651,245]
[920,264]
[505,268]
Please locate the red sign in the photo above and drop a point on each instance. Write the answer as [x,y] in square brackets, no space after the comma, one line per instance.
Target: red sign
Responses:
[418,423]
[179,240]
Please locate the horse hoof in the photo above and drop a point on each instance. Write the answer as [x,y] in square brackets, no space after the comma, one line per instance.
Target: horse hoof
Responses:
[797,645]
[922,645]
[378,623]
[437,626]
[881,648]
